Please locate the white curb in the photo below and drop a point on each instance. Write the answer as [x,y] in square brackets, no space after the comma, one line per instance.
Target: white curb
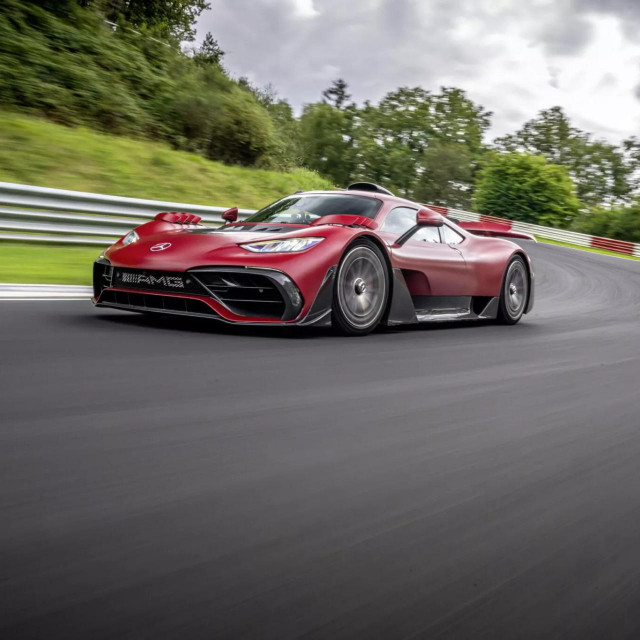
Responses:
[44,292]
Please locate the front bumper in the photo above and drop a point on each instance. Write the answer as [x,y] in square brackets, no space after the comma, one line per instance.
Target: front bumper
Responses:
[236,295]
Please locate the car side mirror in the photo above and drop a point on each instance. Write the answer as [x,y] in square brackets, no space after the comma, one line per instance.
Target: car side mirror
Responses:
[230,215]
[428,218]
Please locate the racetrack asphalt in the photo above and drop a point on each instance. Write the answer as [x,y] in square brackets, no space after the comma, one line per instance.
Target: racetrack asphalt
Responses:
[183,479]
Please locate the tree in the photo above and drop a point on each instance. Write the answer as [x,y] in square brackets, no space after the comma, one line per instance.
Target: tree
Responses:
[170,19]
[549,134]
[525,187]
[209,51]
[327,141]
[458,120]
[446,177]
[337,94]
[288,153]
[59,7]
[622,223]
[266,95]
[241,130]
[631,155]
[603,173]
[413,134]
[415,142]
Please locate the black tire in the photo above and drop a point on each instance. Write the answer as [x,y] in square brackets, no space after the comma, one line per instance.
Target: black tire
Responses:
[360,290]
[515,291]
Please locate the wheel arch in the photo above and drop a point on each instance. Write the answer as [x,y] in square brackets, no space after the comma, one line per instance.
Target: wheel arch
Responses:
[527,264]
[530,277]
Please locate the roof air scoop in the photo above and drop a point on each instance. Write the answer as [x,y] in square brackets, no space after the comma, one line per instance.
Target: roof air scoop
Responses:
[368,186]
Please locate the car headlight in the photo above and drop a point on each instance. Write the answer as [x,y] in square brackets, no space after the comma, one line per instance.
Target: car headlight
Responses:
[132,236]
[282,246]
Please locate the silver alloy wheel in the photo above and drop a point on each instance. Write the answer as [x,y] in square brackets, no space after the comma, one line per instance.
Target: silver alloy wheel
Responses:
[361,287]
[516,287]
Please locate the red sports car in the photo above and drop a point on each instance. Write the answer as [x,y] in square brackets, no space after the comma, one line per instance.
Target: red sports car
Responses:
[355,258]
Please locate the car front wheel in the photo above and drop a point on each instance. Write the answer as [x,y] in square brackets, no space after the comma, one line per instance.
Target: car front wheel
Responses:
[361,289]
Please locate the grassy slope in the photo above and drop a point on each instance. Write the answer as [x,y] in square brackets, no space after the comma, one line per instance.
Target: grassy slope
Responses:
[37,152]
[34,151]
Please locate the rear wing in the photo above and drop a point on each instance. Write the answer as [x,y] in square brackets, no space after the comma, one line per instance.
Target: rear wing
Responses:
[494,229]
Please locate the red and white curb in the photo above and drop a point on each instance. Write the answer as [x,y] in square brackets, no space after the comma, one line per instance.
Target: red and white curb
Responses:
[44,292]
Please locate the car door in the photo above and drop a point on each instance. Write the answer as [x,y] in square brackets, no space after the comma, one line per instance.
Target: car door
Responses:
[431,267]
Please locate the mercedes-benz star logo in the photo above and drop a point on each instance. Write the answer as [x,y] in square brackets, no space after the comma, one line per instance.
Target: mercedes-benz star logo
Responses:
[161,246]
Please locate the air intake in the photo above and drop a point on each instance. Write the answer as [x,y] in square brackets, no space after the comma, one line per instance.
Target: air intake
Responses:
[368,186]
[245,294]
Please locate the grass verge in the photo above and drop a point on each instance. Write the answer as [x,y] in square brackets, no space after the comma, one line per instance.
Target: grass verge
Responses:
[26,263]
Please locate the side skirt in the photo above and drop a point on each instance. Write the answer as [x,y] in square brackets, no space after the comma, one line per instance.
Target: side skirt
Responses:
[401,308]
[450,308]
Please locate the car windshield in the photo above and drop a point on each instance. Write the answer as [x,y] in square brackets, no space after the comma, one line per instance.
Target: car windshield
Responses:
[305,209]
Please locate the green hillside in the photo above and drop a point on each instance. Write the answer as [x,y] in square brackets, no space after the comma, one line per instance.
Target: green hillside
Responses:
[39,152]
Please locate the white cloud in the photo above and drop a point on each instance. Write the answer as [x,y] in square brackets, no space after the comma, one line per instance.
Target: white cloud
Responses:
[304,9]
[514,58]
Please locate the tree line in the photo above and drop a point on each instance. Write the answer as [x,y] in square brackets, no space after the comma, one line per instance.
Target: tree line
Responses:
[121,66]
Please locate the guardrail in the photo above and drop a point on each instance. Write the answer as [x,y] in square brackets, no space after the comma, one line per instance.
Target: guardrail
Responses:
[40,214]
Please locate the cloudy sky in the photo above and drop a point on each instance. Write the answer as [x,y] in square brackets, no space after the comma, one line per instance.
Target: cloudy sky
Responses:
[514,57]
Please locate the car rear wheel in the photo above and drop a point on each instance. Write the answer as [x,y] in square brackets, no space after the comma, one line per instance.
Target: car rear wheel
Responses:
[515,292]
[361,289]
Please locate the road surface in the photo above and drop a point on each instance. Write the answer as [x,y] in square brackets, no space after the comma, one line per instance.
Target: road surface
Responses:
[183,479]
